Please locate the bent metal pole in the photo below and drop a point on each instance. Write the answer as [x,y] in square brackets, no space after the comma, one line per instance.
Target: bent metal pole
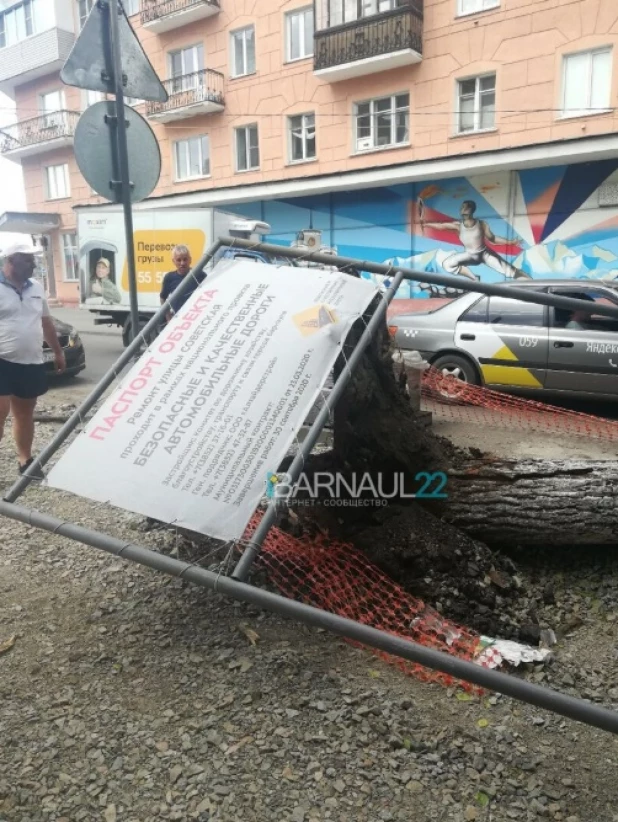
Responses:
[461,669]
[527,295]
[243,567]
[97,392]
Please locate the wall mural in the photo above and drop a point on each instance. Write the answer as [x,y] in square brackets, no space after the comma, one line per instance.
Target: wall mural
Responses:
[557,222]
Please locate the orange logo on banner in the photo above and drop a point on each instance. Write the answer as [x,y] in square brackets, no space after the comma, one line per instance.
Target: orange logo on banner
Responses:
[153,255]
[311,320]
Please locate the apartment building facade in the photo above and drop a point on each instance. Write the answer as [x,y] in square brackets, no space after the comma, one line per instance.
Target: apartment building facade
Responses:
[377,122]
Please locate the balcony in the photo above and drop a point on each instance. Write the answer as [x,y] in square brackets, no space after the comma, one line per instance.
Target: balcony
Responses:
[34,57]
[38,135]
[189,96]
[369,45]
[164,15]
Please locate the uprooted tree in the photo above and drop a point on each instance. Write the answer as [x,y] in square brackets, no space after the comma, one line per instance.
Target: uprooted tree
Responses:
[448,551]
[523,502]
[423,545]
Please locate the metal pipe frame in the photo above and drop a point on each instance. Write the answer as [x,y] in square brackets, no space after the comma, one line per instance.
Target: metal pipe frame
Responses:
[241,571]
[526,295]
[554,701]
[97,392]
[576,709]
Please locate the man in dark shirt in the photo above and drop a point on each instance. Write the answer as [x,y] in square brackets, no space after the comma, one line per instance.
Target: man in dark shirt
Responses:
[181,257]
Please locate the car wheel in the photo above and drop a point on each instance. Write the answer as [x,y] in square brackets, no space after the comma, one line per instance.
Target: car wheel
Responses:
[457,373]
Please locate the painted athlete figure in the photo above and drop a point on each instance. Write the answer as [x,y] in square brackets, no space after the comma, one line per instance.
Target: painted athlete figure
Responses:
[474,235]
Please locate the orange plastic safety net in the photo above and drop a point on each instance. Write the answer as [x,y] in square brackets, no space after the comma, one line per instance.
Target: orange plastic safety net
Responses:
[456,401]
[335,577]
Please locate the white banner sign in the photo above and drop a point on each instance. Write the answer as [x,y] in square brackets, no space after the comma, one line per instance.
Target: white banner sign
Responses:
[215,403]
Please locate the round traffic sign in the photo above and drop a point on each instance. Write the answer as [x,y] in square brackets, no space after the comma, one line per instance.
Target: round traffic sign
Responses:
[95,152]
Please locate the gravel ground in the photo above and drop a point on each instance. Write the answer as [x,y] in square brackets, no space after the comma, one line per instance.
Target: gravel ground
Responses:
[128,696]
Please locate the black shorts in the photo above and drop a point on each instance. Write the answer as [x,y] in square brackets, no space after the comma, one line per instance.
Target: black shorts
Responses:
[23,381]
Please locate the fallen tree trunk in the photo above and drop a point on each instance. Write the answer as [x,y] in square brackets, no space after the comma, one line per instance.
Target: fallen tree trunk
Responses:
[528,502]
[519,503]
[535,502]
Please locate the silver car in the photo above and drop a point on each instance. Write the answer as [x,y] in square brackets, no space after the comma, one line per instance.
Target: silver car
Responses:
[520,347]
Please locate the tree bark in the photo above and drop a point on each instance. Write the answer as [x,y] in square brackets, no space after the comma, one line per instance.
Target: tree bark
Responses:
[535,502]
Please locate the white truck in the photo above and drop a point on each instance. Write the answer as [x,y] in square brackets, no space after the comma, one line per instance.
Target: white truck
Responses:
[104,275]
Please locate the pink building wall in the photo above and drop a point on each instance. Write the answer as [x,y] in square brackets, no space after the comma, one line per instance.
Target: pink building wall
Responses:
[523,41]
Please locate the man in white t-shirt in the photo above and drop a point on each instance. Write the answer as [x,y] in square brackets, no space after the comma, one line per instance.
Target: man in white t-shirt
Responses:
[24,324]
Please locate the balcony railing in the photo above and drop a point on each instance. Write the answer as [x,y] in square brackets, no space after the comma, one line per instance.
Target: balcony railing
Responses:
[382,34]
[27,135]
[198,93]
[154,10]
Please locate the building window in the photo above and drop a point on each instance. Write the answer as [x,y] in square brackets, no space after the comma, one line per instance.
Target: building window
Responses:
[89,98]
[52,108]
[299,33]
[19,22]
[84,7]
[382,122]
[477,103]
[338,12]
[243,51]
[192,158]
[302,137]
[186,66]
[586,82]
[474,6]
[28,19]
[70,257]
[57,182]
[247,148]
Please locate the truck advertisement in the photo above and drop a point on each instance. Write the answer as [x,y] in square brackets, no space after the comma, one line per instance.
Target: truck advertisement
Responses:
[104,273]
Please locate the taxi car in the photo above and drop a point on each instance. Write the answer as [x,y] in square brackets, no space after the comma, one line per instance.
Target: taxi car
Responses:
[521,347]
